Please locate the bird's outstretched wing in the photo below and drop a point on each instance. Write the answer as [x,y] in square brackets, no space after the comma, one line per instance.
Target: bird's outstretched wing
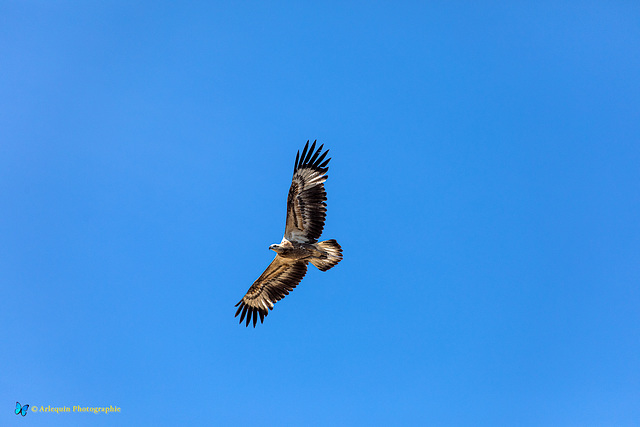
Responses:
[274,284]
[306,204]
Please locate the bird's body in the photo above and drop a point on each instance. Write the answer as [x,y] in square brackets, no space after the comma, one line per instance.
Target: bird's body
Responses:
[306,212]
[322,254]
[296,250]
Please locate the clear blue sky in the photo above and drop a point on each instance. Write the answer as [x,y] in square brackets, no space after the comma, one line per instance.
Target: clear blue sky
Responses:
[485,187]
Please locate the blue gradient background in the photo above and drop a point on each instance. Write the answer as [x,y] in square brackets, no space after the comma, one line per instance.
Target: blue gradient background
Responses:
[484,185]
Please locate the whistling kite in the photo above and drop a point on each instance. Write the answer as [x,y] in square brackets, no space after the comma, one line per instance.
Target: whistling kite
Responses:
[306,211]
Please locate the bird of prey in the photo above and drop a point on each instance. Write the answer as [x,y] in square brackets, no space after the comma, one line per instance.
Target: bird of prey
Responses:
[306,212]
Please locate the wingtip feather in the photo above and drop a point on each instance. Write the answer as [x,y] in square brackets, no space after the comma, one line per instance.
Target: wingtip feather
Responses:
[244,312]
[310,153]
[325,163]
[304,154]
[314,158]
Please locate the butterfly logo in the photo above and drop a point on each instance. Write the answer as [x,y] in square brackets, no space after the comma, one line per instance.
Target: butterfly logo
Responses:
[21,409]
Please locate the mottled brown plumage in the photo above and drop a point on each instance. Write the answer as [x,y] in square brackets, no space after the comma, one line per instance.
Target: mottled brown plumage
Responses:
[306,213]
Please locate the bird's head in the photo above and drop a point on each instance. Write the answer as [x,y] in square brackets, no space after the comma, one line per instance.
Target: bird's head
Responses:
[274,247]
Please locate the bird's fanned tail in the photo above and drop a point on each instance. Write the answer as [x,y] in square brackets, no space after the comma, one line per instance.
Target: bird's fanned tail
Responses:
[332,252]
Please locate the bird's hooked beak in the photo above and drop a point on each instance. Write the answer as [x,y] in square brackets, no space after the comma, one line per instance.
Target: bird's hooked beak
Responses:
[273,247]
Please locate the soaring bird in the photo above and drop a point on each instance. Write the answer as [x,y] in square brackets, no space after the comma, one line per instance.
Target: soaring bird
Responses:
[306,212]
